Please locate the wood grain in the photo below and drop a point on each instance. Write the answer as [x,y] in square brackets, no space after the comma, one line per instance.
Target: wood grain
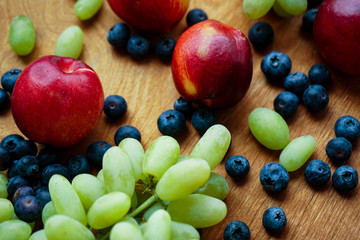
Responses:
[148,88]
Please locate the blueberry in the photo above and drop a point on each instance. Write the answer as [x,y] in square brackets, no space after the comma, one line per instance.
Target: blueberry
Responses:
[297,83]
[274,177]
[4,100]
[13,170]
[274,220]
[317,173]
[10,142]
[115,106]
[261,35]
[236,230]
[22,191]
[9,78]
[48,155]
[319,74]
[5,159]
[138,46]
[35,182]
[125,132]
[28,208]
[28,166]
[184,106]
[339,150]
[118,35]
[345,178]
[195,15]
[25,147]
[51,170]
[347,127]
[313,3]
[286,104]
[95,152]
[171,123]
[164,48]
[276,66]
[43,194]
[316,98]
[202,119]
[237,167]
[77,164]
[16,182]
[308,20]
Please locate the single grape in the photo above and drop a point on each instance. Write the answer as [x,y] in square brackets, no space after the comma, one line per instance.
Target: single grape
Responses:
[38,235]
[257,9]
[135,152]
[14,229]
[22,35]
[216,186]
[86,9]
[181,231]
[151,210]
[6,209]
[47,211]
[158,226]
[3,186]
[100,175]
[294,7]
[70,42]
[279,10]
[126,230]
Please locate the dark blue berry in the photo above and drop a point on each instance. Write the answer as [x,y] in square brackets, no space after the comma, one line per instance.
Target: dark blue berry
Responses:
[184,106]
[308,20]
[195,15]
[317,173]
[28,208]
[16,182]
[274,177]
[202,119]
[35,182]
[313,3]
[261,35]
[297,83]
[319,74]
[5,159]
[345,178]
[13,170]
[236,230]
[339,150]
[274,220]
[4,100]
[10,142]
[115,106]
[47,156]
[95,152]
[315,98]
[22,191]
[43,194]
[347,127]
[276,66]
[28,166]
[126,132]
[237,167]
[25,147]
[53,169]
[286,104]
[171,123]
[9,78]
[164,48]
[138,46]
[77,164]
[118,35]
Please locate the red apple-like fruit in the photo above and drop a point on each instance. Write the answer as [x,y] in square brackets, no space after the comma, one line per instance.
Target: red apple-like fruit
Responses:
[57,101]
[158,16]
[336,34]
[212,63]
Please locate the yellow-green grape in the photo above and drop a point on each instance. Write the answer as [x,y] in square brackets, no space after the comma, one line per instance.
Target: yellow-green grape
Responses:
[181,231]
[6,209]
[118,174]
[216,186]
[88,188]
[65,199]
[162,153]
[31,224]
[213,145]
[135,152]
[22,35]
[158,226]
[100,175]
[38,235]
[294,7]
[126,230]
[297,152]
[254,9]
[182,179]
[198,210]
[108,209]
[47,211]
[62,227]
[70,42]
[86,9]
[279,10]
[14,230]
[151,210]
[269,128]
[3,186]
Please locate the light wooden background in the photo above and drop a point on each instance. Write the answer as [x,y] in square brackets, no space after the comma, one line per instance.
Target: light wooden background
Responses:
[148,89]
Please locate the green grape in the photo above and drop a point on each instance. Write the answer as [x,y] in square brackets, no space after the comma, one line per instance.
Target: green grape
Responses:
[135,152]
[162,153]
[3,186]
[14,230]
[294,7]
[254,9]
[297,152]
[198,210]
[86,9]
[88,188]
[118,174]
[100,175]
[65,199]
[216,186]
[158,226]
[269,128]
[213,145]
[108,209]
[181,231]
[126,230]
[70,42]
[38,235]
[31,224]
[6,209]
[279,10]
[22,35]
[62,227]
[151,210]
[134,201]
[47,211]
[182,179]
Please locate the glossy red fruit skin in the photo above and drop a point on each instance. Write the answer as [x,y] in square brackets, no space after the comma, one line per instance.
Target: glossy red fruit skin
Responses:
[336,33]
[57,101]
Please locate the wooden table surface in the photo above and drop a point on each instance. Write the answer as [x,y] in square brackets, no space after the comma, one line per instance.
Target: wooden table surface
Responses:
[148,89]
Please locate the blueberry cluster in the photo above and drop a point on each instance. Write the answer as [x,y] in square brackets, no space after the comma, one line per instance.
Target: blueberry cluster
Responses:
[8,80]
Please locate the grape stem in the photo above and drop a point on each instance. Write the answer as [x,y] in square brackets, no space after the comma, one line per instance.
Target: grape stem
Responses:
[143,206]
